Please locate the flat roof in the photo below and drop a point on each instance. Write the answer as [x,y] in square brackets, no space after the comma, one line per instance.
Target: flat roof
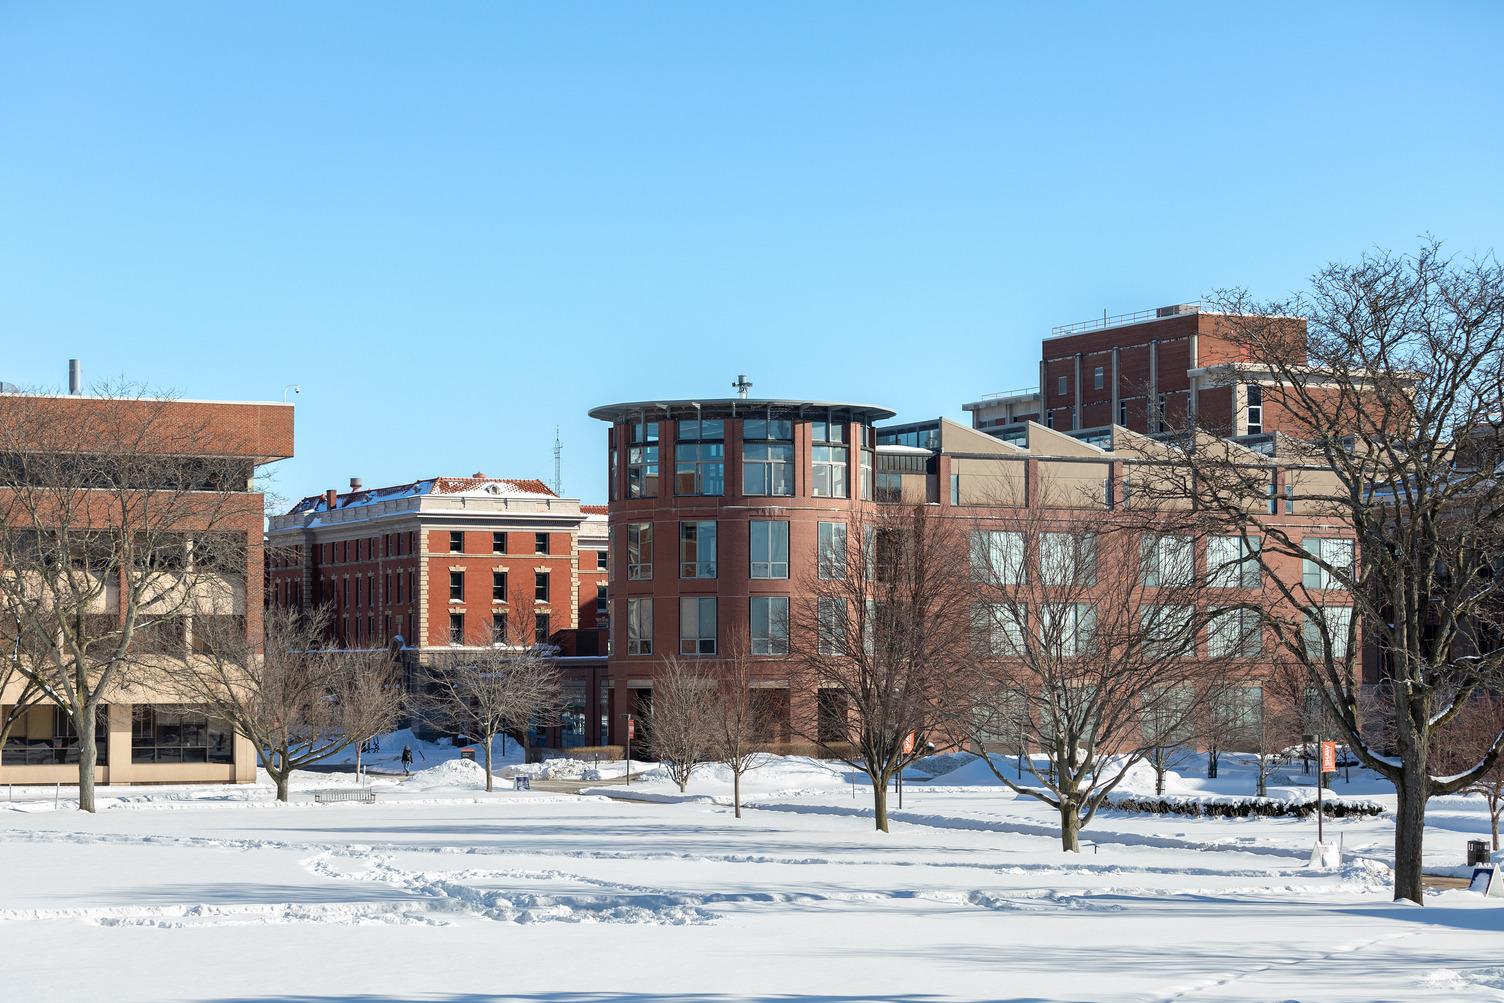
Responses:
[725,407]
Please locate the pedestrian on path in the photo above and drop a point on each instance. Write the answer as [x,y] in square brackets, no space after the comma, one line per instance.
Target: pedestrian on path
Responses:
[407,760]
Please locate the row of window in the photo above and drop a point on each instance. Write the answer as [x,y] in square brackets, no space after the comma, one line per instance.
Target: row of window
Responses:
[159,734]
[362,549]
[499,542]
[767,459]
[768,549]
[355,632]
[360,591]
[768,619]
[498,586]
[499,634]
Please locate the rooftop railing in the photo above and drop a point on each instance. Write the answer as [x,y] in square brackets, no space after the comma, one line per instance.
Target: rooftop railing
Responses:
[1122,319]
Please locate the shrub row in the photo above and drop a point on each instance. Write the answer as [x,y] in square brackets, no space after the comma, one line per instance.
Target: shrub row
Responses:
[1240,808]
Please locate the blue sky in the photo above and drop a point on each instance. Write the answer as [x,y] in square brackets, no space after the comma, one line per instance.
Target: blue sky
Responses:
[458,225]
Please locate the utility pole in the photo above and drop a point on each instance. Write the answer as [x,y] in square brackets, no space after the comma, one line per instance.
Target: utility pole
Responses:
[558,452]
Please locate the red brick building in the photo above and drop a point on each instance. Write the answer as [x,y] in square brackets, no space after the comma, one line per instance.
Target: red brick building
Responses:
[445,564]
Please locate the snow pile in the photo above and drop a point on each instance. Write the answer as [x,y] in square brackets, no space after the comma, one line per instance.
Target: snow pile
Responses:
[557,769]
[454,773]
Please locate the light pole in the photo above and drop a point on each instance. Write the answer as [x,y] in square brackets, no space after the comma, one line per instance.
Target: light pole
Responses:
[293,387]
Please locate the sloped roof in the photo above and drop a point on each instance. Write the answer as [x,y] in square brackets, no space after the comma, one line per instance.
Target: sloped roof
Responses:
[477,485]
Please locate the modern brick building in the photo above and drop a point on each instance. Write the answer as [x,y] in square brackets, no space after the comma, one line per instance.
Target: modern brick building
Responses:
[145,734]
[1145,372]
[446,564]
[720,507]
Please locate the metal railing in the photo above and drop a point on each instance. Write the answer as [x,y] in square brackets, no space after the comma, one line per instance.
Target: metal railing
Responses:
[1118,320]
[1020,392]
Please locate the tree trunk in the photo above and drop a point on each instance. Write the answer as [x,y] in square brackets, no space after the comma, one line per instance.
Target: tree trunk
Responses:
[488,763]
[359,748]
[1493,816]
[1159,779]
[281,779]
[1409,830]
[1070,827]
[88,751]
[880,801]
[736,799]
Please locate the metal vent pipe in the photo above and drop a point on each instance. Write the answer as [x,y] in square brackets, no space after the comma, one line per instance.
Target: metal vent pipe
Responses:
[75,376]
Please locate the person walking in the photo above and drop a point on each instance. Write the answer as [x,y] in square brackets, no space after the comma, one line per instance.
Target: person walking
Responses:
[407,760]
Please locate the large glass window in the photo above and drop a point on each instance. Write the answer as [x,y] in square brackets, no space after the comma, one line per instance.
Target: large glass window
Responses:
[700,458]
[1334,553]
[770,624]
[833,622]
[498,586]
[1067,628]
[1166,561]
[832,556]
[697,550]
[639,551]
[831,458]
[1337,621]
[1168,629]
[639,626]
[45,735]
[1068,559]
[456,628]
[770,549]
[1234,634]
[1230,562]
[767,457]
[166,734]
[540,586]
[456,587]
[997,556]
[697,626]
[642,459]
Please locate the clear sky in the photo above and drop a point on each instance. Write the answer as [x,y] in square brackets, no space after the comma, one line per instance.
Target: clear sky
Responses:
[457,225]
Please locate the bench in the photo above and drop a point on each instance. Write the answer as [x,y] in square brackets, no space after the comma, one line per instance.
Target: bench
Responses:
[328,795]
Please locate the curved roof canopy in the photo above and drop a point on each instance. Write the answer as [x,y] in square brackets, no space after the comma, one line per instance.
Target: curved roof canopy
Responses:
[739,407]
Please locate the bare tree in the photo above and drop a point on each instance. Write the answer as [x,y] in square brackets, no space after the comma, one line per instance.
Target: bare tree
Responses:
[885,636]
[1465,742]
[297,702]
[505,687]
[1086,637]
[121,517]
[23,689]
[1391,400]
[681,722]
[736,718]
[373,700]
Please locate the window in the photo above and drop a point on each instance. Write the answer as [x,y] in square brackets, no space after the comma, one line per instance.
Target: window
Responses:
[830,459]
[1330,553]
[1289,498]
[456,628]
[997,556]
[399,587]
[600,599]
[615,455]
[1068,558]
[169,734]
[1230,562]
[770,549]
[1235,634]
[456,543]
[499,586]
[540,586]
[832,617]
[540,628]
[45,735]
[456,586]
[1166,561]
[697,550]
[498,543]
[388,589]
[770,624]
[767,457]
[1168,630]
[639,551]
[639,626]
[1060,387]
[498,629]
[867,478]
[1096,378]
[602,560]
[696,626]
[1159,414]
[994,631]
[1255,409]
[1067,628]
[1123,413]
[357,591]
[832,550]
[1049,419]
[540,543]
[700,458]
[642,460]
[955,489]
[1336,623]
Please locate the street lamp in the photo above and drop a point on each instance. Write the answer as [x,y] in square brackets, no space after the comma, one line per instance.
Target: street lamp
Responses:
[293,387]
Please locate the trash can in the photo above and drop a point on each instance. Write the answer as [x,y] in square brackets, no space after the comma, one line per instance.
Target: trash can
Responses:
[1477,852]
[468,754]
[522,783]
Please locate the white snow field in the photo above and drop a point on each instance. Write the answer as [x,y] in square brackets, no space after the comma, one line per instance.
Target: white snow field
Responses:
[443,892]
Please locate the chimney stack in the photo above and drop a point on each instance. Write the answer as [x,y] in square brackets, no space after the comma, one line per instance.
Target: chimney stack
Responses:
[330,497]
[355,484]
[76,376]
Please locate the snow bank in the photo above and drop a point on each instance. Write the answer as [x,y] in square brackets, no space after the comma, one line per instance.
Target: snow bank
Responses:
[454,773]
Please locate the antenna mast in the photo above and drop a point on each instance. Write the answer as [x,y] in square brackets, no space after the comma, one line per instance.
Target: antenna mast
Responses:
[558,451]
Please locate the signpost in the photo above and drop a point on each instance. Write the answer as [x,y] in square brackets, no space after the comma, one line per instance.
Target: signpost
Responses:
[1328,765]
[631,731]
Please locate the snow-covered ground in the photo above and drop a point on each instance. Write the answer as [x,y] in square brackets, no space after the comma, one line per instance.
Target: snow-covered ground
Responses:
[441,891]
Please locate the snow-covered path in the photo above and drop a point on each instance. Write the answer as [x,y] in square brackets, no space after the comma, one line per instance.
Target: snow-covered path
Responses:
[443,892]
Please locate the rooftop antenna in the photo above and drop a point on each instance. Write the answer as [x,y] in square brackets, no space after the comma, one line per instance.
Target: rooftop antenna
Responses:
[558,451]
[742,385]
